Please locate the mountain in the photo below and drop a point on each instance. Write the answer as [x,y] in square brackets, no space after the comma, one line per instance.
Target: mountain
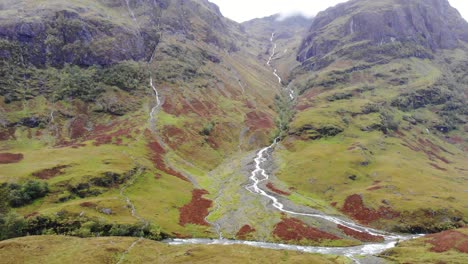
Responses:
[382,100]
[418,27]
[288,33]
[99,95]
[159,119]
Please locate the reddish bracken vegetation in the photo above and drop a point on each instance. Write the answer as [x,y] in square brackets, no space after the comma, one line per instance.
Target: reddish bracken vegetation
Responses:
[6,158]
[50,173]
[180,106]
[178,235]
[292,229]
[244,232]
[437,167]
[195,211]
[174,136]
[431,150]
[157,152]
[31,215]
[448,240]
[276,190]
[259,120]
[78,127]
[361,236]
[307,97]
[354,207]
[102,134]
[455,140]
[7,134]
[88,205]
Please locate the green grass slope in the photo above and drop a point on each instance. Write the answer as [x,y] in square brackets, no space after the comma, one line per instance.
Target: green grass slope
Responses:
[61,249]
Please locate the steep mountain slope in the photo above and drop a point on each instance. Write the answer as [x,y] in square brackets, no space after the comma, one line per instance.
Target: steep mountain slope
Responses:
[287,33]
[121,104]
[144,118]
[380,128]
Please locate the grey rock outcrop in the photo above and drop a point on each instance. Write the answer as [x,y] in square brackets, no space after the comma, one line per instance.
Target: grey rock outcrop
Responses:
[424,26]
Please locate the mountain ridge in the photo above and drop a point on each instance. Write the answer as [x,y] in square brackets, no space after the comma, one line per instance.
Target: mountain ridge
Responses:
[368,125]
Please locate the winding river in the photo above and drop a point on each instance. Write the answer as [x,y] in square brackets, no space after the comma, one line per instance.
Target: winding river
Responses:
[259,175]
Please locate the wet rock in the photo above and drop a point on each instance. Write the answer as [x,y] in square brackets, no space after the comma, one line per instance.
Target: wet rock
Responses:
[31,122]
[106,211]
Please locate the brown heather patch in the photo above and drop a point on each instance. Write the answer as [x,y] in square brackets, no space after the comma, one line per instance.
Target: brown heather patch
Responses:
[201,108]
[292,229]
[77,127]
[170,106]
[355,208]
[259,120]
[178,235]
[7,133]
[244,232]
[50,173]
[173,136]
[455,140]
[102,134]
[38,133]
[180,106]
[31,215]
[311,93]
[212,142]
[195,211]
[276,190]
[250,104]
[448,240]
[157,153]
[88,205]
[431,150]
[7,158]
[437,167]
[302,107]
[361,236]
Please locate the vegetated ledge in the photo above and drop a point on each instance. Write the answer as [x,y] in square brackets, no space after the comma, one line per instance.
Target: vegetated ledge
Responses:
[311,132]
[73,224]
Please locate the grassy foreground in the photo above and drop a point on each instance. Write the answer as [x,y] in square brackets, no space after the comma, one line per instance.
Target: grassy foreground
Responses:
[445,247]
[61,249]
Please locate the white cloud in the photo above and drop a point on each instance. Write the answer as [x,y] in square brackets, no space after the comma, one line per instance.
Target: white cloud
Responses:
[243,10]
[462,6]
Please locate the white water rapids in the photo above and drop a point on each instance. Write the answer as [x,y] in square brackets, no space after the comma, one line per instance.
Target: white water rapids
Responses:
[258,176]
[275,71]
[158,101]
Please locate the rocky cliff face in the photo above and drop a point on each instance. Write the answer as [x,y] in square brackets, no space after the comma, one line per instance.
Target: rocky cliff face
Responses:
[56,35]
[422,27]
[102,32]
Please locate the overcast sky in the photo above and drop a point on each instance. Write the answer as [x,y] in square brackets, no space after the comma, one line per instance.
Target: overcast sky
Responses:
[243,10]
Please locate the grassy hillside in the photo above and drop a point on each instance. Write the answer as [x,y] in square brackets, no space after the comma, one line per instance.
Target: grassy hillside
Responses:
[83,126]
[380,133]
[447,247]
[110,250]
